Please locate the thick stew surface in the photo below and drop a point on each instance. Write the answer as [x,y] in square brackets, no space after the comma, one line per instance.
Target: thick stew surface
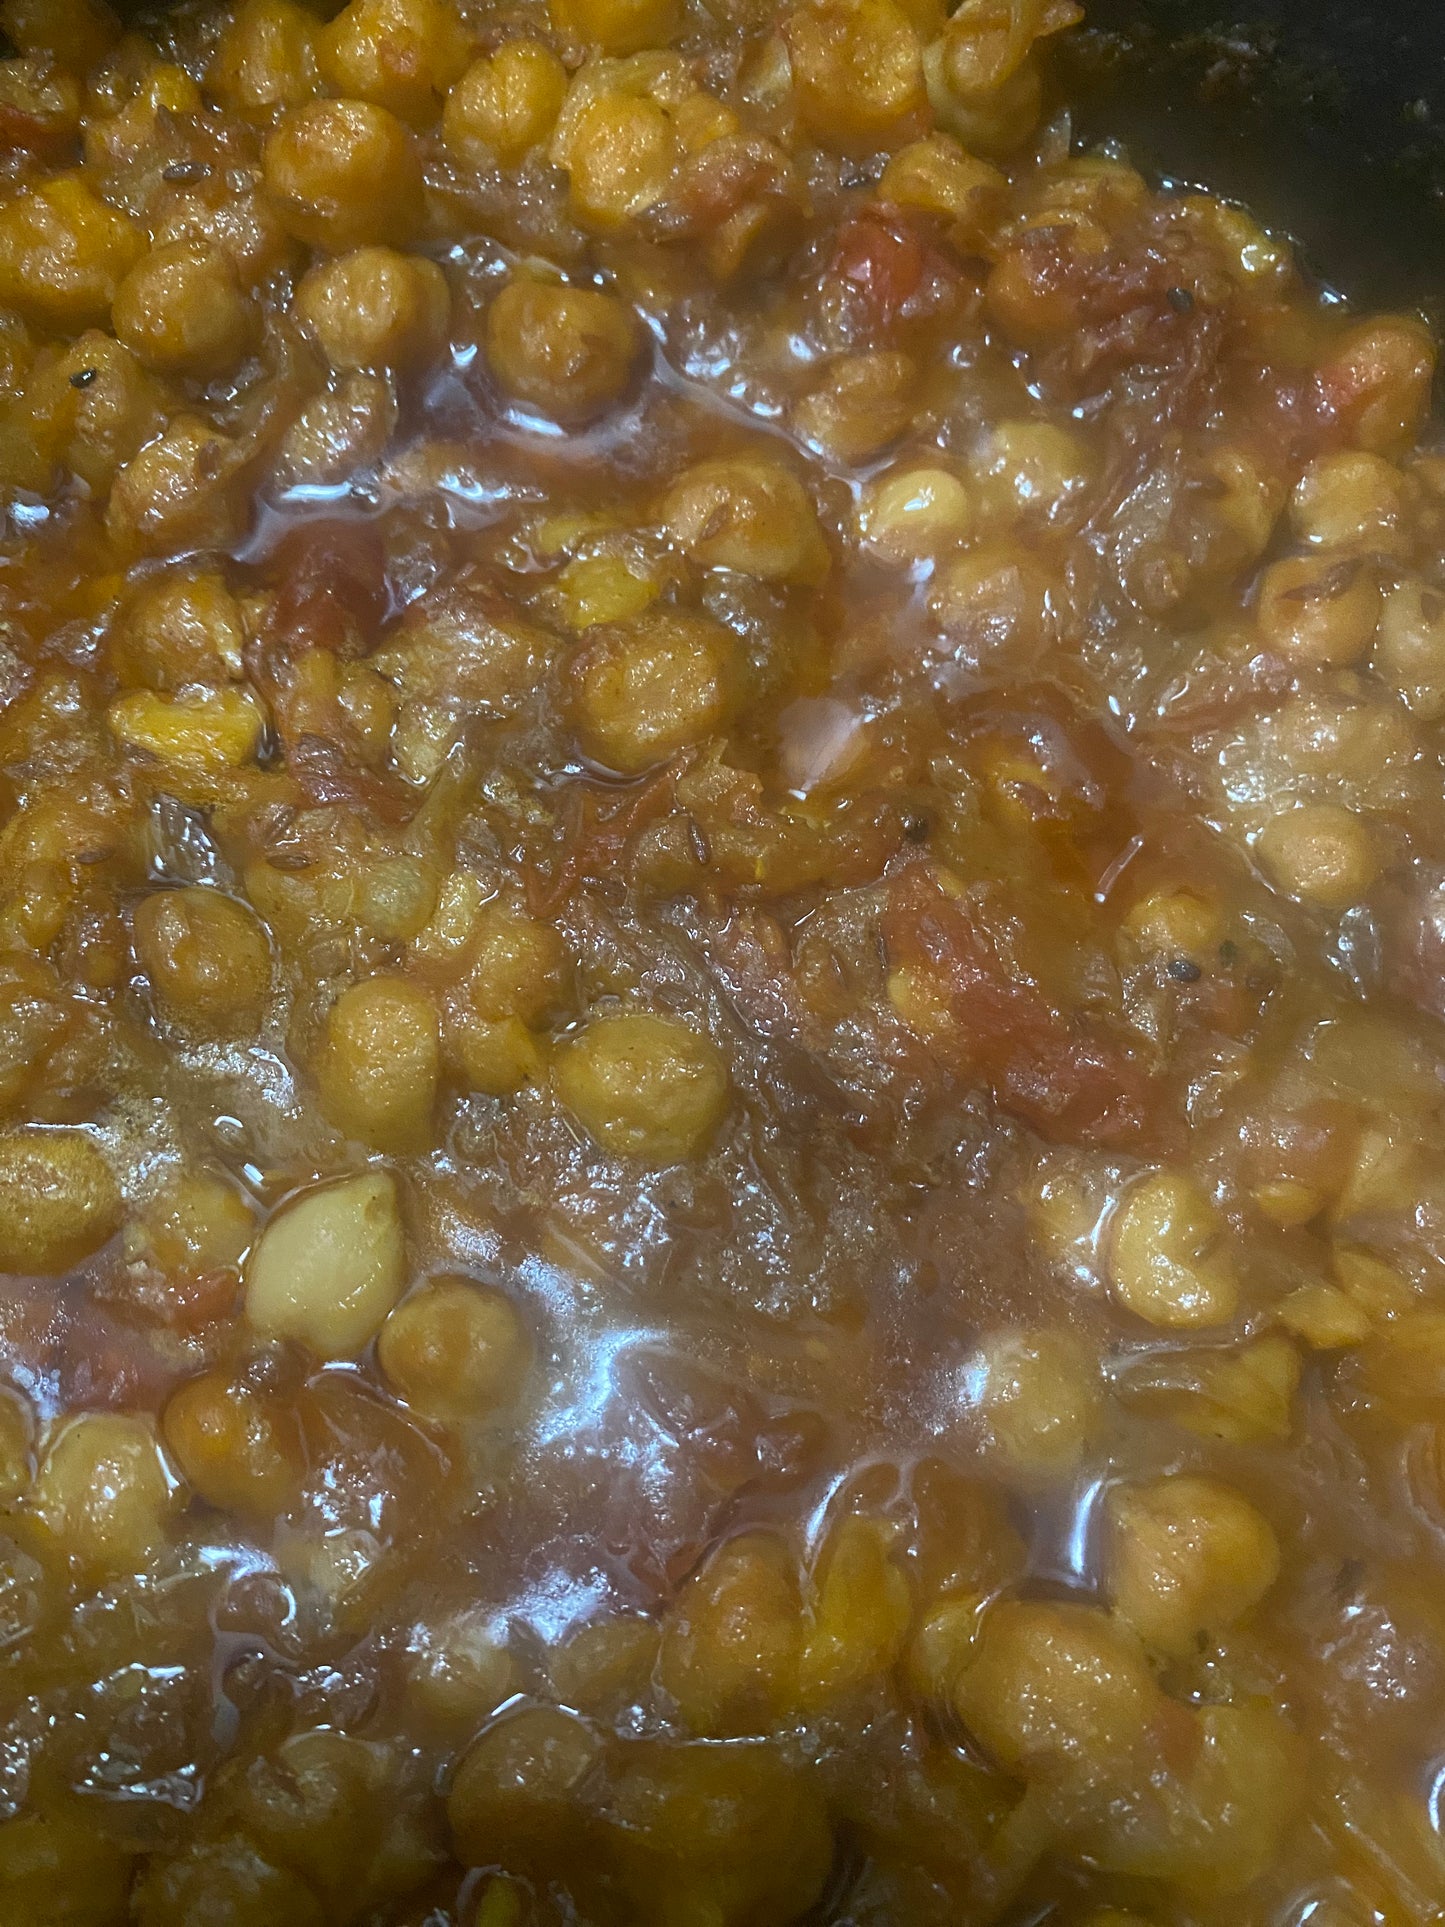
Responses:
[722,946]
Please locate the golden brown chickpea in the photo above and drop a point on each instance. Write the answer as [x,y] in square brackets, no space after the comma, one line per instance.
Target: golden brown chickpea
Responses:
[458,1669]
[1319,611]
[644,1086]
[616,26]
[865,403]
[1029,472]
[63,254]
[375,309]
[1040,1397]
[733,1639]
[198,1223]
[909,514]
[514,1796]
[398,54]
[1349,500]
[570,353]
[939,176]
[103,1494]
[239,1449]
[995,599]
[177,630]
[1320,853]
[645,689]
[1189,1557]
[180,491]
[181,310]
[504,105]
[862,1605]
[752,516]
[1409,651]
[857,74]
[207,958]
[92,407]
[1166,1264]
[1377,381]
[456,1351]
[265,58]
[621,152]
[516,967]
[343,173]
[58,1200]
[379,1063]
[75,33]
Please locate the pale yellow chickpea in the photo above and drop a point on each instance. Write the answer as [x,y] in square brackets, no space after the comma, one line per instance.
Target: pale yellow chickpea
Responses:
[103,1494]
[857,74]
[379,1063]
[177,630]
[1349,500]
[59,1200]
[1409,651]
[343,173]
[865,402]
[1317,611]
[616,26]
[504,105]
[732,1641]
[568,352]
[910,514]
[940,176]
[458,1669]
[329,1266]
[63,254]
[1166,1261]
[516,965]
[206,956]
[456,1351]
[265,58]
[1188,1558]
[1321,854]
[375,309]
[1040,1398]
[397,54]
[646,688]
[182,310]
[1027,471]
[747,514]
[644,1086]
[1178,922]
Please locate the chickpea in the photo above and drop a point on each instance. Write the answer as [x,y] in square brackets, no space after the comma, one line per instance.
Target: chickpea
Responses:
[1189,1558]
[616,26]
[748,515]
[910,514]
[621,152]
[200,733]
[607,1666]
[397,54]
[504,105]
[1314,612]
[1165,1262]
[516,967]
[16,1443]
[344,174]
[343,429]
[865,403]
[265,59]
[329,1267]
[63,254]
[181,310]
[645,689]
[996,601]
[983,86]
[180,491]
[1040,1398]
[458,1670]
[177,630]
[570,353]
[1410,646]
[238,1448]
[376,309]
[1349,501]
[1057,1689]
[207,958]
[1029,471]
[58,1200]
[939,176]
[644,1086]
[857,74]
[515,1793]
[1319,853]
[96,427]
[732,1641]
[75,33]
[380,1062]
[1181,922]
[861,1612]
[103,1495]
[1377,382]
[455,1350]
[197,1224]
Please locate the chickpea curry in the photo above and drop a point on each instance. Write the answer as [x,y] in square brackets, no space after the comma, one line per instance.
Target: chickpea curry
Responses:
[722,957]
